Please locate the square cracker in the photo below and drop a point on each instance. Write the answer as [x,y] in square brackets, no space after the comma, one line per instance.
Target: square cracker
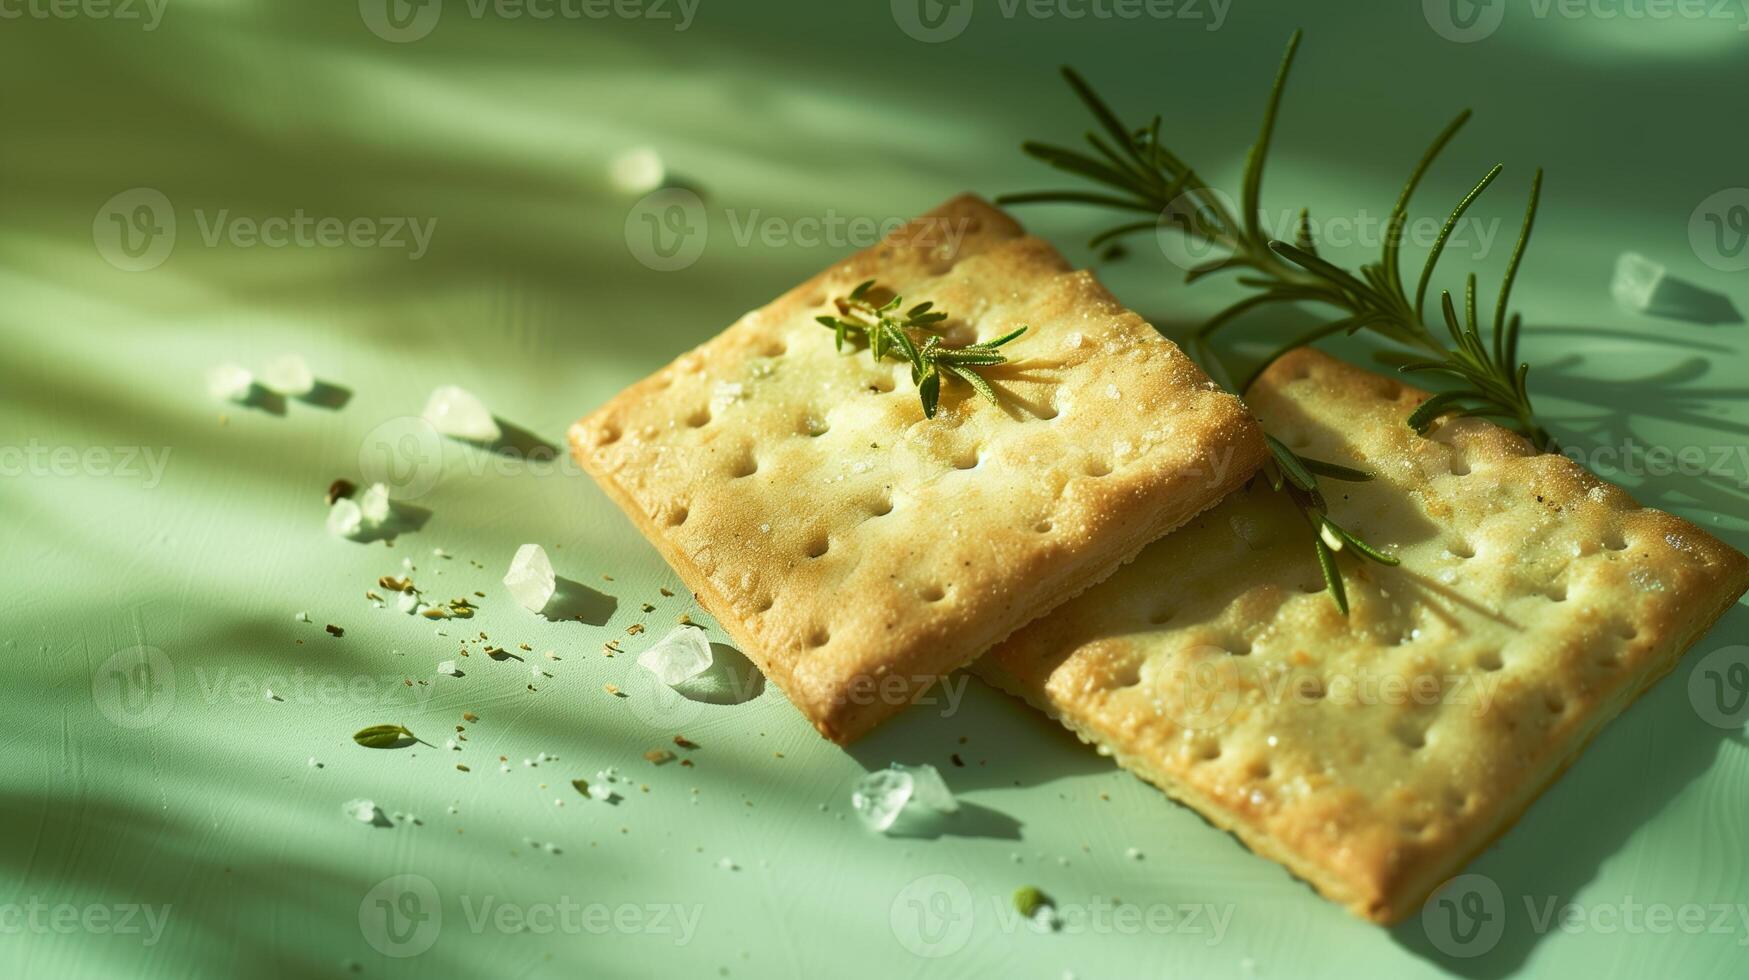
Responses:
[1374,755]
[857,551]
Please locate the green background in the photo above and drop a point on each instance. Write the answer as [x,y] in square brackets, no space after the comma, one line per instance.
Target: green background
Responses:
[196,791]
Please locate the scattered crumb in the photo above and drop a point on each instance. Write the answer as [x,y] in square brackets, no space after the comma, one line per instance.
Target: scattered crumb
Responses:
[613,690]
[659,756]
[634,629]
[684,742]
[334,630]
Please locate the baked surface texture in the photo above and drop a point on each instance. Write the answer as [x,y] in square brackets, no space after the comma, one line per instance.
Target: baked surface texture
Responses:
[1374,755]
[857,551]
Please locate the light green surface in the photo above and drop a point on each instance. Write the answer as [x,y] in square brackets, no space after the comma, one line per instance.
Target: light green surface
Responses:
[498,129]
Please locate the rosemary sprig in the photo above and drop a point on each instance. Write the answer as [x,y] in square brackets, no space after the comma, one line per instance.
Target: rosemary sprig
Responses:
[861,319]
[1148,178]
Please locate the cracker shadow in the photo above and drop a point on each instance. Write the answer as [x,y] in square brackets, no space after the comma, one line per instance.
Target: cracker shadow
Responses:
[1559,845]
[954,717]
[572,600]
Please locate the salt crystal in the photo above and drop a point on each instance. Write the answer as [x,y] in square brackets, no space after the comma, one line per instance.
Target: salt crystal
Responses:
[452,745]
[600,791]
[637,171]
[881,795]
[728,864]
[1636,282]
[230,382]
[457,412]
[1134,854]
[530,578]
[344,518]
[678,657]
[314,764]
[928,790]
[447,668]
[287,374]
[302,617]
[408,603]
[727,393]
[363,811]
[373,503]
